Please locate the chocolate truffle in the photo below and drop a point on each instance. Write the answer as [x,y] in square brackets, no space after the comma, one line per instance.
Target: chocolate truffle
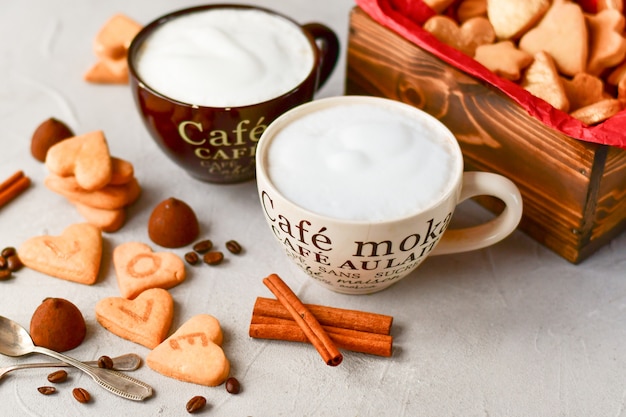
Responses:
[58,325]
[47,134]
[173,224]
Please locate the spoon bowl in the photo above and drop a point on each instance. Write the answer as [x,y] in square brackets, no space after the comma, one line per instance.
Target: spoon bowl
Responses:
[15,341]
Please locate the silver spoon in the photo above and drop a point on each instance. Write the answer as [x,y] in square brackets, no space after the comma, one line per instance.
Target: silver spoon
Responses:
[128,362]
[15,341]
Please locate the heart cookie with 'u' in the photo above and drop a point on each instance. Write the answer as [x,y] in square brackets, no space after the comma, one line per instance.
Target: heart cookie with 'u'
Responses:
[75,255]
[193,353]
[138,268]
[146,320]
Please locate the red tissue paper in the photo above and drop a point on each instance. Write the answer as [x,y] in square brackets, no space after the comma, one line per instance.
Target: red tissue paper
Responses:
[406,17]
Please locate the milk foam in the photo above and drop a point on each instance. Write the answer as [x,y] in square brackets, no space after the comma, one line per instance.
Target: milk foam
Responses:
[225,57]
[362,162]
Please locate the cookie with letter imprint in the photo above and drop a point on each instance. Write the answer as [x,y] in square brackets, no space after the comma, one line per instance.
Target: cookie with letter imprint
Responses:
[138,268]
[193,353]
[146,320]
[75,255]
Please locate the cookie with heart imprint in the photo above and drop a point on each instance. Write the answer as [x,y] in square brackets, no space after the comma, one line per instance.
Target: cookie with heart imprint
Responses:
[75,255]
[146,320]
[193,353]
[138,268]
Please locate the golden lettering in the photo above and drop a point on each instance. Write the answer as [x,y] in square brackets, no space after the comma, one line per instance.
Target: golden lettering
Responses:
[182,131]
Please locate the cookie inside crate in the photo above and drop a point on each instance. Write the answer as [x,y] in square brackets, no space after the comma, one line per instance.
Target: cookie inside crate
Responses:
[573,188]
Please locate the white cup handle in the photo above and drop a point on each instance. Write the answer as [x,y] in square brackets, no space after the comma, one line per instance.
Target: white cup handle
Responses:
[493,231]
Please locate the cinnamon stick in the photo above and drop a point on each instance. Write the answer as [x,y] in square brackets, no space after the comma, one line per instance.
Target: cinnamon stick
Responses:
[329,316]
[305,320]
[264,327]
[13,186]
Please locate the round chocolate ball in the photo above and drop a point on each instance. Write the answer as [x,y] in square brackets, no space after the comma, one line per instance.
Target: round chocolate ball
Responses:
[58,325]
[173,224]
[48,134]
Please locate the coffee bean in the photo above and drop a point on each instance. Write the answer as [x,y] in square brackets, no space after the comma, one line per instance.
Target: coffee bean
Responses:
[196,404]
[5,274]
[192,258]
[81,395]
[47,390]
[105,362]
[3,262]
[57,377]
[232,385]
[8,251]
[233,247]
[203,246]
[213,258]
[14,263]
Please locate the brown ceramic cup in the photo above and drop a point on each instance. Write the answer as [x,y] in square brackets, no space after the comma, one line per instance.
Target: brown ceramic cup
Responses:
[218,144]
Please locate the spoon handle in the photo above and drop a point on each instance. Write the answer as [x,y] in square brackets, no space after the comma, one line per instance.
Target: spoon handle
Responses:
[127,362]
[115,382]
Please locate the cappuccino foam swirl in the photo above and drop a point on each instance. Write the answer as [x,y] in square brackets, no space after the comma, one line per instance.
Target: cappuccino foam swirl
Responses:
[225,57]
[362,162]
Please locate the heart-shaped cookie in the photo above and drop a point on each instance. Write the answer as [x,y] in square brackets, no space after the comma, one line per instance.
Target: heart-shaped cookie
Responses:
[512,18]
[75,255]
[122,171]
[562,33]
[114,37]
[111,47]
[542,80]
[106,220]
[145,320]
[138,268]
[193,353]
[465,38]
[110,197]
[85,156]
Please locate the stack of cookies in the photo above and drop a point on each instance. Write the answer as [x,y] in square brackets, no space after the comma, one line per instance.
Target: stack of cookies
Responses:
[573,59]
[99,185]
[111,48]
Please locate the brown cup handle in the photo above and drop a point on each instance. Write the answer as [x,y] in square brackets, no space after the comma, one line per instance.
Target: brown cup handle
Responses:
[328,45]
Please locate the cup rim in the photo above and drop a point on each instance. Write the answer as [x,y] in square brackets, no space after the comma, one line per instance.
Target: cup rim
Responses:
[149,28]
[453,186]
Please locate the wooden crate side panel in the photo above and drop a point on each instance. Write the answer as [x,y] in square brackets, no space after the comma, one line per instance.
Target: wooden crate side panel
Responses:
[610,215]
[552,170]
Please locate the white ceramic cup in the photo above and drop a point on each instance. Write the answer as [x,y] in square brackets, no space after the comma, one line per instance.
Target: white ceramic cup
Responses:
[361,257]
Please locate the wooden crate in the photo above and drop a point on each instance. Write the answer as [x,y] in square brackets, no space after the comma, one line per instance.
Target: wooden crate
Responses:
[574,192]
